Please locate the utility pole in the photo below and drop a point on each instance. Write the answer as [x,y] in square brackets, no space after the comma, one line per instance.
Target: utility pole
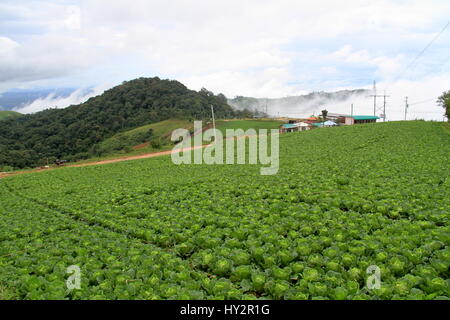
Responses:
[214,124]
[374,95]
[374,98]
[384,106]
[406,106]
[266,109]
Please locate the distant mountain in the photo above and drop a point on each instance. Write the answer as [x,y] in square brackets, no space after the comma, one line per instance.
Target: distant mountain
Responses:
[17,98]
[303,104]
[75,132]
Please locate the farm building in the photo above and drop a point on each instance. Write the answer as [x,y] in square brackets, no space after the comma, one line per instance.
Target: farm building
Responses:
[311,120]
[292,127]
[335,116]
[303,126]
[327,123]
[349,120]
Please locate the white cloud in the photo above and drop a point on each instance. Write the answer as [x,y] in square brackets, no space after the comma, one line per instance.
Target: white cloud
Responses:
[54,101]
[385,66]
[254,47]
[422,95]
[259,84]
[7,49]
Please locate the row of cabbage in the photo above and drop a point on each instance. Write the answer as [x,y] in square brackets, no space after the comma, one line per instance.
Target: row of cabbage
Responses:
[344,199]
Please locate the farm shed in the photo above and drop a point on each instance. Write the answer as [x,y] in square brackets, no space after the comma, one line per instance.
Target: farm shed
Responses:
[349,120]
[292,127]
[311,120]
[303,126]
[288,127]
[329,123]
[336,117]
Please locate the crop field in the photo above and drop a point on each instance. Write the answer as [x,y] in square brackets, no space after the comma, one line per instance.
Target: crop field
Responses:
[344,199]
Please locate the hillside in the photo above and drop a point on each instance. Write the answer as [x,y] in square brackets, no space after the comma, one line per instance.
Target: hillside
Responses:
[9,114]
[72,133]
[149,136]
[248,124]
[344,199]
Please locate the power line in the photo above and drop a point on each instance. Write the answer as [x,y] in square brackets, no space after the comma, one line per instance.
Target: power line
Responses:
[420,53]
[214,124]
[374,95]
[430,112]
[423,51]
[384,106]
[406,106]
[423,101]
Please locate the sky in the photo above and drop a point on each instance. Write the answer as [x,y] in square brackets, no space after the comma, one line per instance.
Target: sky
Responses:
[252,48]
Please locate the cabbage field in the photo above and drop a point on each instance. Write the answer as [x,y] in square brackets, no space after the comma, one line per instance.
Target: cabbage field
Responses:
[344,199]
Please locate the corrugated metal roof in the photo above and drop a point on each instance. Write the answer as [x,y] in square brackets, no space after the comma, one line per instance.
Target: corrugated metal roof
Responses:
[289,125]
[365,117]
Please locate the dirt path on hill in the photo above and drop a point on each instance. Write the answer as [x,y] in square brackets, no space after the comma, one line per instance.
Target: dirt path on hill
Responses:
[140,156]
[100,162]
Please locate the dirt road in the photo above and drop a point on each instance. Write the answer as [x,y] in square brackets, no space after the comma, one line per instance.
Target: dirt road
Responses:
[94,163]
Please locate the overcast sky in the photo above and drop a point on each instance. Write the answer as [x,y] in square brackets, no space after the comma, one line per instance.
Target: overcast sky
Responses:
[253,47]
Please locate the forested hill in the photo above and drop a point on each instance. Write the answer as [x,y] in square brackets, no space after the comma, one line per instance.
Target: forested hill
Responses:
[73,132]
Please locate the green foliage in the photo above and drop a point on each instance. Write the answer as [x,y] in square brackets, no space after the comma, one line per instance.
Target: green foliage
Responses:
[324,115]
[148,229]
[156,144]
[72,132]
[444,101]
[156,134]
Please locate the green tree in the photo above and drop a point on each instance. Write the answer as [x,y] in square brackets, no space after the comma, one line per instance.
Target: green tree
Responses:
[73,131]
[444,102]
[324,115]
[222,98]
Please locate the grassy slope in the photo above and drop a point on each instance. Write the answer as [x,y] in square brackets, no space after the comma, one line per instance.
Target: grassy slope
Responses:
[9,114]
[163,130]
[248,124]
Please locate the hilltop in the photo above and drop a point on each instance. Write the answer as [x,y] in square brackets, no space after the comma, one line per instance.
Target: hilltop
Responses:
[72,133]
